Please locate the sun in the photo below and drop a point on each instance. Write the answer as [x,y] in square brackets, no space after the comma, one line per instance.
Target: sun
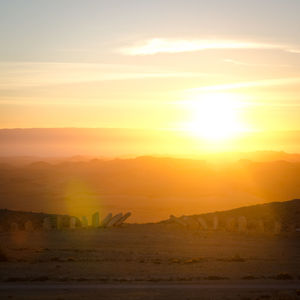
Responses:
[214,116]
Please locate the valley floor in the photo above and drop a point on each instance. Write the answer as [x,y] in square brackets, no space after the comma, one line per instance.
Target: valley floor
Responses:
[151,261]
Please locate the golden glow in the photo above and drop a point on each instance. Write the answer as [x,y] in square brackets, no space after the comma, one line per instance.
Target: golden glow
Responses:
[215,116]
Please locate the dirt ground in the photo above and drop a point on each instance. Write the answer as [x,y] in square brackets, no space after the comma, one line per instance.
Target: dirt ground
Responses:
[151,261]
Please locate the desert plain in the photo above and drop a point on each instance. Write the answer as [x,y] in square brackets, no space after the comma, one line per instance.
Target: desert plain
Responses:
[153,261]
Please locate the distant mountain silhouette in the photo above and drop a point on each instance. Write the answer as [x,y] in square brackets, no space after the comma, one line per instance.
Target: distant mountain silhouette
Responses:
[151,187]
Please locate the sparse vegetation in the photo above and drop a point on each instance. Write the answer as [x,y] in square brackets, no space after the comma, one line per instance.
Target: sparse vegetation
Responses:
[283,276]
[40,278]
[71,259]
[249,277]
[235,258]
[3,256]
[215,277]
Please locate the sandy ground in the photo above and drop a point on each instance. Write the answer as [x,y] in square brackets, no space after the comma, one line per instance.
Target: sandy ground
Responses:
[149,262]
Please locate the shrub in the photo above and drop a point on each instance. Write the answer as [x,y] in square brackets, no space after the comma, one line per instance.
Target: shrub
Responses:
[283,276]
[3,256]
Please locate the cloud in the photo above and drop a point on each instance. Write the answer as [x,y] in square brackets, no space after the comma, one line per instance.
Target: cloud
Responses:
[296,51]
[31,74]
[249,84]
[160,45]
[241,63]
[236,62]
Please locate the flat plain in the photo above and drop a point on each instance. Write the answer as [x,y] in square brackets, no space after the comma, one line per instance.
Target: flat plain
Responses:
[153,261]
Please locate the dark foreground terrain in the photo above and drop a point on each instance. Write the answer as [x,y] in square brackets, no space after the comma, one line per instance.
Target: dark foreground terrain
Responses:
[151,261]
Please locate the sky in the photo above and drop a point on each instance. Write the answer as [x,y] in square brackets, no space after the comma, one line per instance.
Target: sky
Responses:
[212,68]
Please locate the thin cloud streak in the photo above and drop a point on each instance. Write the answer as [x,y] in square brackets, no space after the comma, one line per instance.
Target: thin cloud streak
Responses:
[249,84]
[160,45]
[241,63]
[19,75]
[296,51]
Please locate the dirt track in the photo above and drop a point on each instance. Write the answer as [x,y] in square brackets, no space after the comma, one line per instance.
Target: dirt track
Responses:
[232,290]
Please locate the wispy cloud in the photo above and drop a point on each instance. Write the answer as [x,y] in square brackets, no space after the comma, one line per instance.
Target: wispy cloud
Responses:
[165,45]
[236,62]
[296,51]
[242,63]
[30,74]
[249,84]
[160,45]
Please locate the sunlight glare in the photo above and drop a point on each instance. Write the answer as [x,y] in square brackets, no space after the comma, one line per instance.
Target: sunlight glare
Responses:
[215,116]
